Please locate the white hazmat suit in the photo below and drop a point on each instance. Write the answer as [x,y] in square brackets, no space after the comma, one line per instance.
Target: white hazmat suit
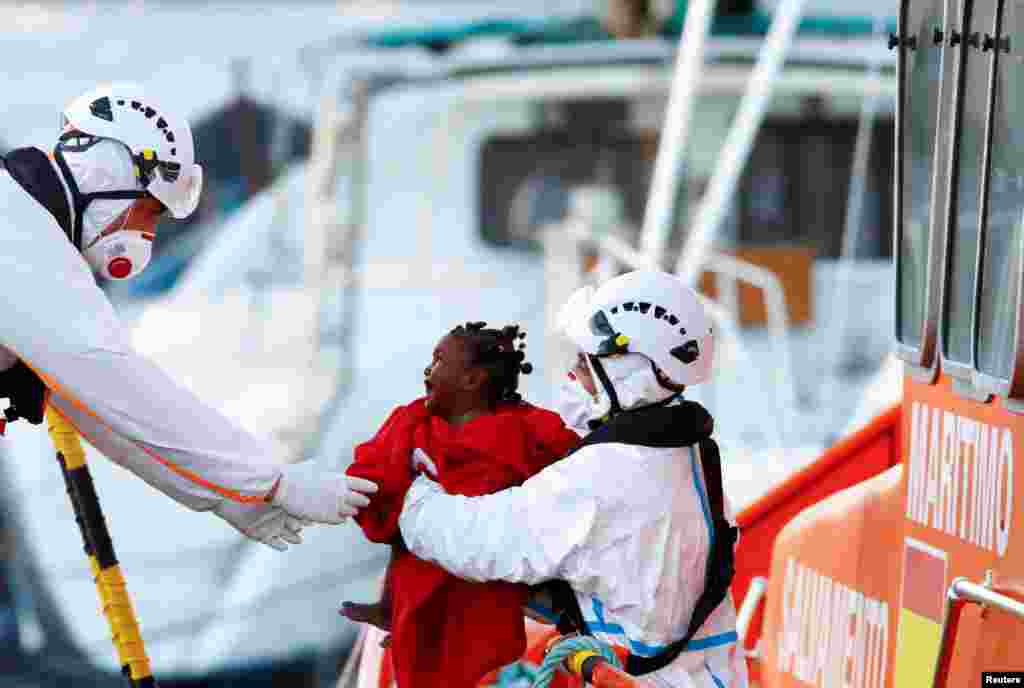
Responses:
[626,520]
[55,319]
[627,526]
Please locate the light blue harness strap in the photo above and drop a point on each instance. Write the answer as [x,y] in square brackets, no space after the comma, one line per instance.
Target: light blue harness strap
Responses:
[718,681]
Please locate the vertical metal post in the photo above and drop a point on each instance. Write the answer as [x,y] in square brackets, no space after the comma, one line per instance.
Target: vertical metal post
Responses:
[853,223]
[659,214]
[715,205]
[340,236]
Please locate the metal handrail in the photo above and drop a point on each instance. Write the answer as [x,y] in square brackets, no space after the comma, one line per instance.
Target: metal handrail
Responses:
[778,325]
[751,603]
[734,269]
[623,252]
[962,592]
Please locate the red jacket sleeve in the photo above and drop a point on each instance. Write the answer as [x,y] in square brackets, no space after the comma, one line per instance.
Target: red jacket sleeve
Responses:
[385,460]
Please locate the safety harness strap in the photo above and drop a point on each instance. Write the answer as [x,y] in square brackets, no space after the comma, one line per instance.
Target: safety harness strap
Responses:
[718,573]
[31,169]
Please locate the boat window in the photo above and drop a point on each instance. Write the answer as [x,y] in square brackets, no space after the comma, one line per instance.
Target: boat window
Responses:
[919,113]
[964,227]
[526,182]
[793,190]
[1000,288]
[796,185]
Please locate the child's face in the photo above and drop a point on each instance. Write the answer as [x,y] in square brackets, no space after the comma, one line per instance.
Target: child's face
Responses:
[448,378]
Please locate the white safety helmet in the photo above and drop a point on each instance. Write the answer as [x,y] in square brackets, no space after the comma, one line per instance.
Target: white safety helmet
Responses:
[644,312]
[160,141]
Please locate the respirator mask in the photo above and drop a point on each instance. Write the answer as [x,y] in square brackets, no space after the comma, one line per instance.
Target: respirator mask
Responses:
[575,405]
[114,218]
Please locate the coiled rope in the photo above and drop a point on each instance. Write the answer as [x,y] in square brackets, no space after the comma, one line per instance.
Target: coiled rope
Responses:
[565,649]
[519,674]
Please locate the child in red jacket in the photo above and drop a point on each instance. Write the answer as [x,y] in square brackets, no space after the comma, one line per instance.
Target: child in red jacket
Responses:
[481,438]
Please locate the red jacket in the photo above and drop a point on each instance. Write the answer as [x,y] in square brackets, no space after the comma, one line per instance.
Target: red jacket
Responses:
[447,631]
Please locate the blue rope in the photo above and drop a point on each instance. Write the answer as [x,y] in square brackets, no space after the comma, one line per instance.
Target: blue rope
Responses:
[567,648]
[519,674]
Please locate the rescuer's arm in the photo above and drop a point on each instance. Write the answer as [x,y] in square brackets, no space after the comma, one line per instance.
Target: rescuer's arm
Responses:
[163,433]
[138,416]
[526,534]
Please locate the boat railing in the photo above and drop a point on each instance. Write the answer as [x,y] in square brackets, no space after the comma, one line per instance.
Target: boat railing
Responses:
[725,311]
[961,593]
[752,601]
[736,270]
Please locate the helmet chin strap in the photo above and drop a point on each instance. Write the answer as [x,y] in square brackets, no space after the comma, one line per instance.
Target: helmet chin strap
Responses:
[613,397]
[81,201]
[606,383]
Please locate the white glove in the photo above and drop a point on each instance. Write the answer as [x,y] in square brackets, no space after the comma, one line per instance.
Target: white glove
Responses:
[262,522]
[307,491]
[422,463]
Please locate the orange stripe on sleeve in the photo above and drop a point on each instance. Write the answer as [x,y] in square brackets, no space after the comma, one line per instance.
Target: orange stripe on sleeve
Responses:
[192,477]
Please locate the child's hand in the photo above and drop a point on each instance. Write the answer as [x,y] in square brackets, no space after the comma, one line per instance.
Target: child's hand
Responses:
[378,614]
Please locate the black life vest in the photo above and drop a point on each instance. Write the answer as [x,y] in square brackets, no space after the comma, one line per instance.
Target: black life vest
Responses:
[33,172]
[30,168]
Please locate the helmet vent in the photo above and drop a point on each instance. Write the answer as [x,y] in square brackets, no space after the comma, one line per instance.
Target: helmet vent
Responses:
[673,320]
[688,352]
[101,108]
[659,312]
[600,326]
[644,307]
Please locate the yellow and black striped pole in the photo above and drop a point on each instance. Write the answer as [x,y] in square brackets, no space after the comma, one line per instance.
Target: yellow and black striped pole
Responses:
[114,600]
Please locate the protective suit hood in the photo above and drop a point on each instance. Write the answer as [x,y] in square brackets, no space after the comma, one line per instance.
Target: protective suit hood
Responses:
[102,181]
[631,377]
[634,383]
[104,166]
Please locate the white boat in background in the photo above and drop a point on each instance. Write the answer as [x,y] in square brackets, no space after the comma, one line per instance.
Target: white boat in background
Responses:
[312,312]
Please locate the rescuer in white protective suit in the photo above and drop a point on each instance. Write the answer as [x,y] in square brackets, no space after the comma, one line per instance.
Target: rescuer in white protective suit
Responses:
[629,538]
[90,207]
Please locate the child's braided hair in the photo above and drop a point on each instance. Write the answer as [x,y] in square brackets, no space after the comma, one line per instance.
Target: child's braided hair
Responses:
[496,351]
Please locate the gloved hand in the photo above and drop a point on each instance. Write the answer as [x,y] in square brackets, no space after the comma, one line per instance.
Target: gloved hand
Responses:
[422,463]
[307,491]
[25,392]
[262,522]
